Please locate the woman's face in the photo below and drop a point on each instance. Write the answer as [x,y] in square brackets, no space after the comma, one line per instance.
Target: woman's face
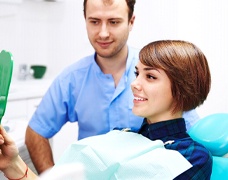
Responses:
[152,94]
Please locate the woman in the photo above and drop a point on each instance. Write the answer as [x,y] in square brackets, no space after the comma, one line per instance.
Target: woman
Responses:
[171,77]
[11,163]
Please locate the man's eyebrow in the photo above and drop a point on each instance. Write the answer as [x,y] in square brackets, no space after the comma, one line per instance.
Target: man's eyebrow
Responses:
[93,18]
[115,18]
[110,19]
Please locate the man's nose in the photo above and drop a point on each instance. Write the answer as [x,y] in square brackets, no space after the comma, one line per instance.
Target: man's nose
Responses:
[104,32]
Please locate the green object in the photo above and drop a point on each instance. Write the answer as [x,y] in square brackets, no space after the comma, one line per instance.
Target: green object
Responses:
[39,71]
[6,69]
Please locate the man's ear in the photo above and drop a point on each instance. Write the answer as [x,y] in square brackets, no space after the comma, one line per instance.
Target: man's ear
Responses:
[131,22]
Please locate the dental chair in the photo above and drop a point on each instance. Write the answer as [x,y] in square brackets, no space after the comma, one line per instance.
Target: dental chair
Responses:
[212,132]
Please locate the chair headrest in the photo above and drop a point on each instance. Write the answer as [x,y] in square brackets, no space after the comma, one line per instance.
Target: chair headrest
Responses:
[211,131]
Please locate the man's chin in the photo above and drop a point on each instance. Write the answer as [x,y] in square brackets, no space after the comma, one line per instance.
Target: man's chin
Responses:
[105,54]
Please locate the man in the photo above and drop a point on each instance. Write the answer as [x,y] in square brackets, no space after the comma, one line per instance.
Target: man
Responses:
[95,91]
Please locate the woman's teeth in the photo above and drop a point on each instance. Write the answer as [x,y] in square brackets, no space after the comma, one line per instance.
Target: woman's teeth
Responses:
[139,99]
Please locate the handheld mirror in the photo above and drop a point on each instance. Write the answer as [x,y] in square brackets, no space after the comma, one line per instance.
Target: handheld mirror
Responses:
[6,69]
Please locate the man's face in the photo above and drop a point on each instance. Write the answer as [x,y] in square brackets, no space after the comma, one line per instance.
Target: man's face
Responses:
[108,26]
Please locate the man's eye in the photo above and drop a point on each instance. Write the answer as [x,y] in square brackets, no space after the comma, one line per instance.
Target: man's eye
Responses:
[94,22]
[113,22]
[136,74]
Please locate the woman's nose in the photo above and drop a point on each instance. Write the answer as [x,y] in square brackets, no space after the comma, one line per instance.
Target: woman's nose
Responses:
[135,85]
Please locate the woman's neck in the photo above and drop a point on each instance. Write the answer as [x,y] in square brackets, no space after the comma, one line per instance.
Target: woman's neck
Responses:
[164,117]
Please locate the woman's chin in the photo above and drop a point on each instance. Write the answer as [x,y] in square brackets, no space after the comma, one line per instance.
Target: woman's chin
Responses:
[137,112]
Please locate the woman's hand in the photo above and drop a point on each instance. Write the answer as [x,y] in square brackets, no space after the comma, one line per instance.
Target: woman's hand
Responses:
[11,163]
[8,150]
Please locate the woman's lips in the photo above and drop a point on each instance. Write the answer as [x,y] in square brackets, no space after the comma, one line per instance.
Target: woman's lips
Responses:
[138,99]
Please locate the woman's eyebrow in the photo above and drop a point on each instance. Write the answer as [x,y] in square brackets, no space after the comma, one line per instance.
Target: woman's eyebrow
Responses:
[151,68]
[148,69]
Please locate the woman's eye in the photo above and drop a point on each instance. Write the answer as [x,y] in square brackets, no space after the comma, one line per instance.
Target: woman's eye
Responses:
[136,74]
[151,77]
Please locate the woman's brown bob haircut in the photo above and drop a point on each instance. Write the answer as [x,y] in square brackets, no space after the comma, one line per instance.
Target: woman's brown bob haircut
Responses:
[187,68]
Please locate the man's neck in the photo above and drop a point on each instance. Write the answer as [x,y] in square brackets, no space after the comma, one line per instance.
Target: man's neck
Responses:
[115,65]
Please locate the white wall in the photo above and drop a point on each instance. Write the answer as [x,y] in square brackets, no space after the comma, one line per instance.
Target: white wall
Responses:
[39,32]
[205,23]
[53,33]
